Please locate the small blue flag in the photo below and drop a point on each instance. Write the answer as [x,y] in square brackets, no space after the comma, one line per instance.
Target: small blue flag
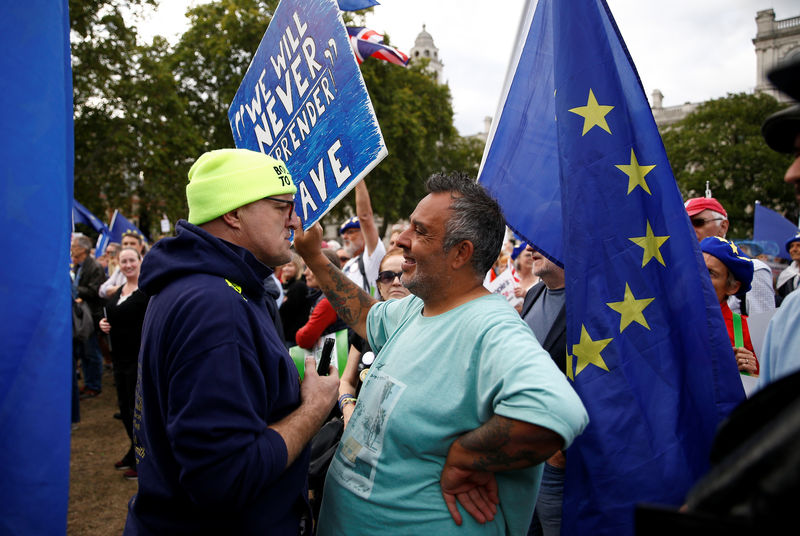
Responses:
[771,227]
[648,351]
[119,225]
[81,214]
[355,5]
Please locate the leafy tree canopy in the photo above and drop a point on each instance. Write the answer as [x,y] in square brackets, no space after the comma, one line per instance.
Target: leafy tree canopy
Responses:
[721,143]
[145,112]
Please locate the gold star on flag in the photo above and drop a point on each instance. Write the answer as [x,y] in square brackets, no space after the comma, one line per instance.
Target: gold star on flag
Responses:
[636,173]
[650,243]
[631,309]
[594,114]
[588,351]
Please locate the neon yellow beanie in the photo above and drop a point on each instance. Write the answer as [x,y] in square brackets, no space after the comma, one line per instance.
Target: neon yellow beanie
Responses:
[226,179]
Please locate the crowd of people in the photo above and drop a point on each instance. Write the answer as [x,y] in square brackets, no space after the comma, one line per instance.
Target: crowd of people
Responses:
[108,286]
[455,409]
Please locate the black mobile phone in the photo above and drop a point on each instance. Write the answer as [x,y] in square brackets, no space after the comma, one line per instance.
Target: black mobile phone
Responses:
[325,358]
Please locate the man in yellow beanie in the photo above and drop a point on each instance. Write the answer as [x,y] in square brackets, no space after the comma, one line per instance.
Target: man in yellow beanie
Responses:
[222,423]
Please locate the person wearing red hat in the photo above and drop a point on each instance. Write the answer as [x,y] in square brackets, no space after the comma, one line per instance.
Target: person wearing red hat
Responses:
[709,218]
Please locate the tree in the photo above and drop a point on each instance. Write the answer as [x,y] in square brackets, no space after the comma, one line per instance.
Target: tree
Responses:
[212,57]
[415,114]
[145,112]
[721,143]
[103,64]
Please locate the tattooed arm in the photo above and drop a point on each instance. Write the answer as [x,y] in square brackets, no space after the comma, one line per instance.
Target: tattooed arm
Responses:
[500,444]
[351,303]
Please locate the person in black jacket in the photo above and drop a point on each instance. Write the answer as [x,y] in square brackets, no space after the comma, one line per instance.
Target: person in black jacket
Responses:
[545,312]
[221,420]
[123,322]
[296,304]
[89,275]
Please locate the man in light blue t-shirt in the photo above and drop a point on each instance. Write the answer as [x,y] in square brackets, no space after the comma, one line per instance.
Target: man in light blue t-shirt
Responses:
[461,405]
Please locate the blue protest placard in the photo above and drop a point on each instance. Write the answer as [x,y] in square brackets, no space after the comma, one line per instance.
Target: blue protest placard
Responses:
[303,101]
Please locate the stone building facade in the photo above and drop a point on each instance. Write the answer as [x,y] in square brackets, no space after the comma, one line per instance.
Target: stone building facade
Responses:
[775,41]
[425,48]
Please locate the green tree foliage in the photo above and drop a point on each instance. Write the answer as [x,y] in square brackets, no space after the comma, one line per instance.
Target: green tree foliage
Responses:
[145,112]
[721,143]
[416,119]
[212,57]
[103,67]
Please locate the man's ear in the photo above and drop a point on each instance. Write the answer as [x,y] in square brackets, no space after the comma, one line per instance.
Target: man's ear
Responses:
[461,254]
[233,218]
[723,227]
[734,288]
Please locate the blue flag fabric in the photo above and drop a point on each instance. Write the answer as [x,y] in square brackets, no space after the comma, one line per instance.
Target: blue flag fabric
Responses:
[355,5]
[119,225]
[771,227]
[81,214]
[648,351]
[518,179]
[36,145]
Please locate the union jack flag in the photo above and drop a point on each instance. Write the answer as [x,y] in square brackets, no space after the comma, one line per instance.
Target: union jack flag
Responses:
[366,43]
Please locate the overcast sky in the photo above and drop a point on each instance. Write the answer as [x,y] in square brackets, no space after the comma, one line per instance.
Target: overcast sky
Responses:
[692,50]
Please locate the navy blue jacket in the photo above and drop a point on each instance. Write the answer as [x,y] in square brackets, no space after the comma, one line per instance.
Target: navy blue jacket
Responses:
[213,375]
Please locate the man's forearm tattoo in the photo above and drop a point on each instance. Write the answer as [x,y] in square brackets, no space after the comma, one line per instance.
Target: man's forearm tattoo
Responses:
[346,297]
[494,447]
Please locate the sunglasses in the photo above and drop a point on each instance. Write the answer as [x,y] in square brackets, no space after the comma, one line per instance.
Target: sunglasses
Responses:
[699,222]
[387,277]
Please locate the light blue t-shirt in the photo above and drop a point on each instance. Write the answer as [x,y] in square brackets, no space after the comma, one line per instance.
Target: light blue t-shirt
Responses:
[435,379]
[781,354]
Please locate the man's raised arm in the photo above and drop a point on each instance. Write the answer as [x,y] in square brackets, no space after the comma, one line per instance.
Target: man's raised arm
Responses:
[366,218]
[351,303]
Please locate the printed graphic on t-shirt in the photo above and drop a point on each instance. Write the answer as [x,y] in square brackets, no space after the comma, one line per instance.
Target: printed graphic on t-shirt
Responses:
[357,458]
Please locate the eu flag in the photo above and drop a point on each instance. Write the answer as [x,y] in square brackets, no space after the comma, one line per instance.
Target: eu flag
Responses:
[81,214]
[648,352]
[120,224]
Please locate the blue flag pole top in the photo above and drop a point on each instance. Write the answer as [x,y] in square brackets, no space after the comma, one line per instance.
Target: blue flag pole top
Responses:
[36,144]
[648,351]
[303,101]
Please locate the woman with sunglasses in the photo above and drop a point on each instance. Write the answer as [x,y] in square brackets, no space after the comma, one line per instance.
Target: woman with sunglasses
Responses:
[390,287]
